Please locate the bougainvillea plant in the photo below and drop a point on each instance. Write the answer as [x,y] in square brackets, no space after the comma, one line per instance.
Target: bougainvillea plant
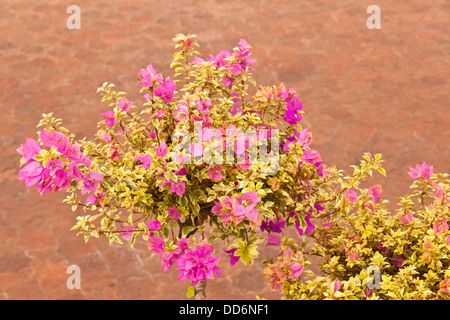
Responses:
[368,252]
[202,160]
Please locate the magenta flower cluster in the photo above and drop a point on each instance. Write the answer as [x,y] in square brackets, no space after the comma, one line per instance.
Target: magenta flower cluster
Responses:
[235,209]
[59,171]
[196,264]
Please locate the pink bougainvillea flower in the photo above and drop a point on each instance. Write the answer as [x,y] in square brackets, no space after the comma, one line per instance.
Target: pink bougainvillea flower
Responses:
[203,118]
[178,187]
[94,198]
[233,259]
[210,134]
[181,111]
[196,149]
[148,96]
[309,225]
[375,191]
[30,149]
[61,143]
[173,213]
[115,154]
[252,215]
[368,293]
[198,264]
[51,138]
[236,209]
[295,270]
[110,119]
[60,177]
[293,109]
[229,209]
[234,69]
[350,195]
[272,226]
[154,225]
[219,207]
[283,92]
[334,286]
[286,146]
[146,161]
[237,212]
[106,137]
[244,49]
[156,244]
[304,138]
[52,175]
[227,81]
[162,151]
[218,60]
[440,226]
[203,106]
[182,244]
[53,165]
[274,239]
[182,171]
[61,180]
[127,234]
[277,276]
[165,182]
[124,104]
[398,261]
[407,218]
[75,172]
[245,64]
[243,52]
[45,184]
[214,174]
[292,116]
[198,61]
[148,76]
[250,199]
[313,157]
[382,247]
[167,260]
[31,173]
[237,103]
[82,159]
[439,193]
[166,90]
[353,254]
[91,181]
[327,224]
[421,171]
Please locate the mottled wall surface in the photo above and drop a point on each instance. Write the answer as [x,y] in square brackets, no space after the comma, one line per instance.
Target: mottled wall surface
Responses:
[363,90]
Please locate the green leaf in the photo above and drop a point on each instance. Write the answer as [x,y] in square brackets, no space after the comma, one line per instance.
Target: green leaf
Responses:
[190,292]
[187,230]
[269,204]
[176,64]
[382,171]
[133,238]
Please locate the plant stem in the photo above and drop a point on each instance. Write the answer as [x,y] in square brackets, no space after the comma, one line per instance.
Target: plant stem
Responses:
[199,290]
